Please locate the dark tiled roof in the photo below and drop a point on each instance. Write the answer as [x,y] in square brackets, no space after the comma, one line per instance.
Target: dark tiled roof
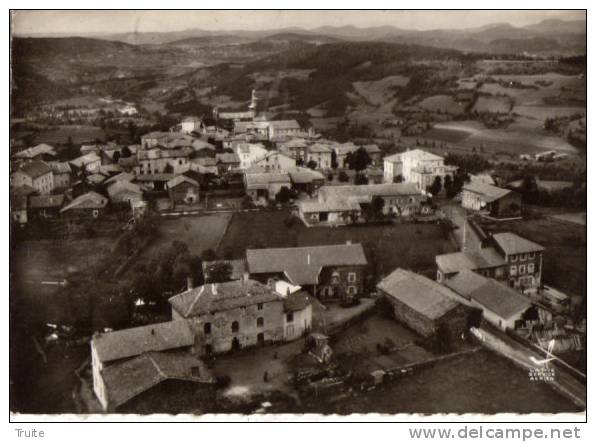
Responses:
[512,244]
[138,340]
[89,200]
[487,192]
[297,301]
[46,201]
[222,296]
[472,260]
[35,169]
[128,379]
[500,299]
[302,265]
[421,294]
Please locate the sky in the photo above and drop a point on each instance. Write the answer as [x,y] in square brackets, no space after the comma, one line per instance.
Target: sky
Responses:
[106,22]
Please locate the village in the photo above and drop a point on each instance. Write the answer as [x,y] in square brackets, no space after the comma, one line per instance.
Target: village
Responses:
[302,271]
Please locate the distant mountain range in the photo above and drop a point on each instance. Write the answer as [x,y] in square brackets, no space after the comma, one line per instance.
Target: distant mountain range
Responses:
[553,36]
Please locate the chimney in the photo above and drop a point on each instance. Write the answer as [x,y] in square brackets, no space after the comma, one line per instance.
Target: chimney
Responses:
[308,259]
[190,283]
[214,289]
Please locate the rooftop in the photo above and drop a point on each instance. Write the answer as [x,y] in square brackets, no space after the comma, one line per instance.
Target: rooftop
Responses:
[427,297]
[469,260]
[179,179]
[488,192]
[368,190]
[32,152]
[210,298]
[35,169]
[302,265]
[89,200]
[128,379]
[512,244]
[138,340]
[46,201]
[491,294]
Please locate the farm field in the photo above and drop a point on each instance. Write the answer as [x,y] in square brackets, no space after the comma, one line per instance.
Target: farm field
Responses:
[199,233]
[78,135]
[412,246]
[379,92]
[500,105]
[515,139]
[471,384]
[443,104]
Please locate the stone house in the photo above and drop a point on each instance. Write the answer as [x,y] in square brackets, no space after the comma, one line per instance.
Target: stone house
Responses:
[233,315]
[88,163]
[45,206]
[494,201]
[62,174]
[150,369]
[123,191]
[41,152]
[423,305]
[485,261]
[89,205]
[320,154]
[183,189]
[248,153]
[265,185]
[155,161]
[523,258]
[416,166]
[328,272]
[35,174]
[274,161]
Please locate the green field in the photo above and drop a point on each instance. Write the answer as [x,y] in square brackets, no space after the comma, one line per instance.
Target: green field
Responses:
[411,246]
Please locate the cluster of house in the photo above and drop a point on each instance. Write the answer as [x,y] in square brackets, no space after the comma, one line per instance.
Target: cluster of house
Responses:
[267,300]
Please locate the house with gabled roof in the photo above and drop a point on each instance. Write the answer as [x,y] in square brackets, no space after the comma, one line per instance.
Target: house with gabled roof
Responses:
[35,174]
[183,189]
[128,363]
[87,205]
[491,200]
[501,305]
[327,271]
[41,152]
[237,314]
[423,305]
[523,258]
[123,191]
[45,206]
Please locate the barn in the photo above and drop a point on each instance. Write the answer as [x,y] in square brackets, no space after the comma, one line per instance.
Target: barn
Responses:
[424,305]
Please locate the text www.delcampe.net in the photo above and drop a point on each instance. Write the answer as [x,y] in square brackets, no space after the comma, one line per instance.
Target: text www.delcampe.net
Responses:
[483,432]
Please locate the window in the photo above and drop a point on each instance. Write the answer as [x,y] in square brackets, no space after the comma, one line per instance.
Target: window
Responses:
[530,268]
[290,317]
[351,290]
[260,306]
[531,255]
[513,271]
[523,257]
[260,322]
[513,258]
[351,277]
[208,349]
[522,269]
[235,327]
[207,328]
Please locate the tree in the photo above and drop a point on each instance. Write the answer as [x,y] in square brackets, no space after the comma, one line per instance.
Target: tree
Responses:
[377,203]
[209,255]
[358,160]
[125,152]
[168,169]
[360,179]
[436,186]
[343,177]
[219,272]
[284,195]
[449,186]
[334,163]
[398,178]
[312,165]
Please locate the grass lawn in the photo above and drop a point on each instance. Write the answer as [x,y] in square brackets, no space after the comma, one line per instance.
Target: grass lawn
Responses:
[412,246]
[480,382]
